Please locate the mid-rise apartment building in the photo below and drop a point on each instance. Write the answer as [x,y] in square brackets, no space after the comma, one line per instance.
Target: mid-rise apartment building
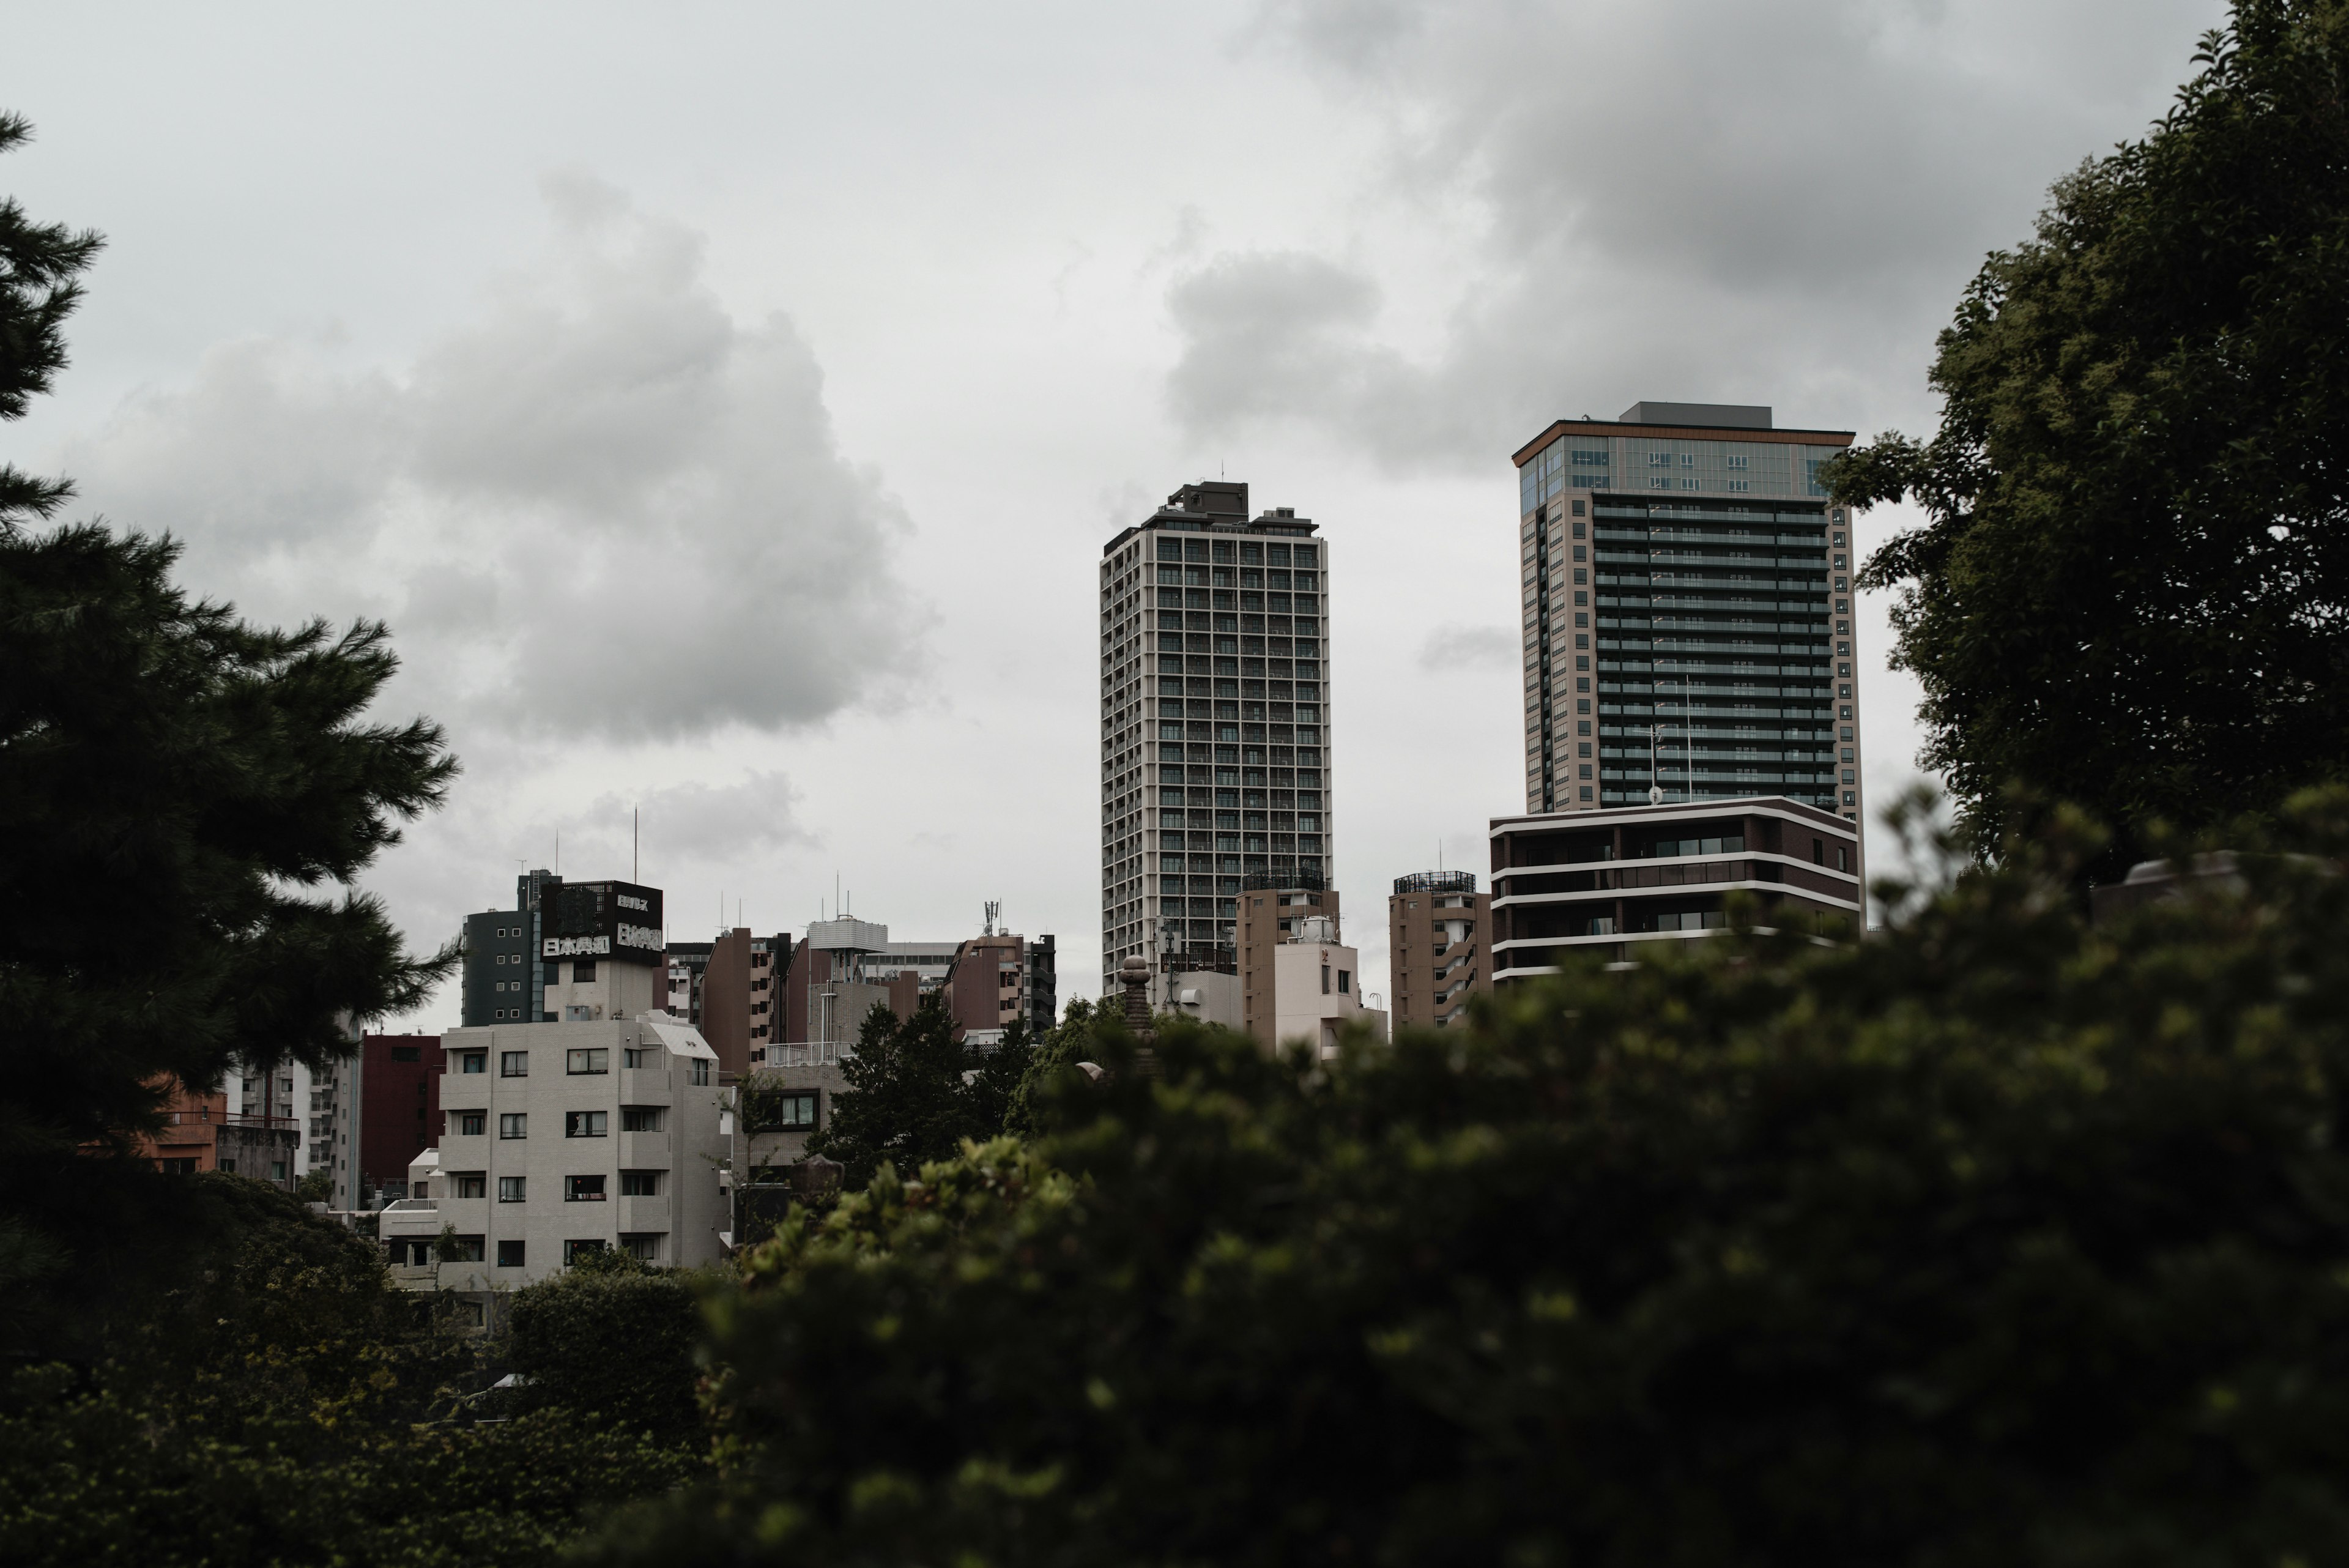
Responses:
[397,1109]
[1269,921]
[200,1131]
[1686,587]
[1609,880]
[688,964]
[567,952]
[741,994]
[998,978]
[1439,929]
[1215,672]
[559,1138]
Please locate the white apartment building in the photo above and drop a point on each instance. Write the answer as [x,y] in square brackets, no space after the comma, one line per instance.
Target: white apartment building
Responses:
[1215,728]
[558,1138]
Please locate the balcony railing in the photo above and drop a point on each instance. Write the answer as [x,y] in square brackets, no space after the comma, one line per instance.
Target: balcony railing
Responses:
[204,1116]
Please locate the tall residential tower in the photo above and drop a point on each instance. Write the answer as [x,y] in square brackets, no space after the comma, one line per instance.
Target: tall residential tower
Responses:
[1215,726]
[1687,603]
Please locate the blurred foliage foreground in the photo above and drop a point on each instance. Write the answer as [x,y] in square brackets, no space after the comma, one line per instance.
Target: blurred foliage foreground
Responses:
[2003,1237]
[1998,1238]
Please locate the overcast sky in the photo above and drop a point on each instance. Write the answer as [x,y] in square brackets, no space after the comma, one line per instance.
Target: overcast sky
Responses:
[727,405]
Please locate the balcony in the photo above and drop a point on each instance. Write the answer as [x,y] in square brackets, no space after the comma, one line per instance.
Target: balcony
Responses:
[646,1086]
[645,1150]
[636,1214]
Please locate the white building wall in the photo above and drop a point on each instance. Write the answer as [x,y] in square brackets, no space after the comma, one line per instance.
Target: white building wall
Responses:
[1317,993]
[664,1071]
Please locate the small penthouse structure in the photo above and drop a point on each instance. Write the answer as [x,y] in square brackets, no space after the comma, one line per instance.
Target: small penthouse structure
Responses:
[1612,879]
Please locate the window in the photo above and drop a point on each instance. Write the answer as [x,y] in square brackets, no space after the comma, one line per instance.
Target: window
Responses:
[1736,464]
[649,1056]
[590,1059]
[583,1189]
[470,1184]
[513,1064]
[640,1118]
[513,1123]
[643,1246]
[799,1110]
[1818,852]
[407,1054]
[583,971]
[509,1189]
[1325,980]
[640,1183]
[471,1124]
[1345,981]
[574,1251]
[472,1062]
[585,1124]
[510,1255]
[696,1070]
[460,1248]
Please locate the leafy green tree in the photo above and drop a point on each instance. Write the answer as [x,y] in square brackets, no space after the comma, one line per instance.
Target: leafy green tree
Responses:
[914,1093]
[284,1403]
[610,1338]
[189,799]
[995,1078]
[1071,1041]
[2001,1239]
[2130,586]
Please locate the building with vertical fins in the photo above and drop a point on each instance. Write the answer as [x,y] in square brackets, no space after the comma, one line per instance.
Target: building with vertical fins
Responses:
[1687,613]
[1215,728]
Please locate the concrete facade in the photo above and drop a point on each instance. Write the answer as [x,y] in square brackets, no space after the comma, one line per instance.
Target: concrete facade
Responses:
[742,996]
[1268,920]
[559,1136]
[1317,989]
[1215,733]
[1686,598]
[1439,935]
[1610,881]
[200,1132]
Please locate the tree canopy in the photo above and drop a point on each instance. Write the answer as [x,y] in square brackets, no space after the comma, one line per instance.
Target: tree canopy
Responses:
[915,1091]
[286,1404]
[2130,586]
[189,799]
[2004,1238]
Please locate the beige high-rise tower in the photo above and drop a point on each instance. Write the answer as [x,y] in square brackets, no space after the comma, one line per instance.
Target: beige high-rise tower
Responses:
[1687,612]
[1215,729]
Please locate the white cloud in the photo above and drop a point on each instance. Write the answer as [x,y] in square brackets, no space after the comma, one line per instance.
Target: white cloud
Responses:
[605,507]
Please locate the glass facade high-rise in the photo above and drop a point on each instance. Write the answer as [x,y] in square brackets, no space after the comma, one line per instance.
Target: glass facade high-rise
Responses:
[1687,613]
[1214,725]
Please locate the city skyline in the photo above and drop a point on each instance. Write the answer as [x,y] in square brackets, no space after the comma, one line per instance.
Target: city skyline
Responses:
[696,473]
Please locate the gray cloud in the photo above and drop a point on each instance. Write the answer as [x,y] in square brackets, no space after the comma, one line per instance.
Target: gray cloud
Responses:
[719,823]
[1470,648]
[1698,199]
[617,510]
